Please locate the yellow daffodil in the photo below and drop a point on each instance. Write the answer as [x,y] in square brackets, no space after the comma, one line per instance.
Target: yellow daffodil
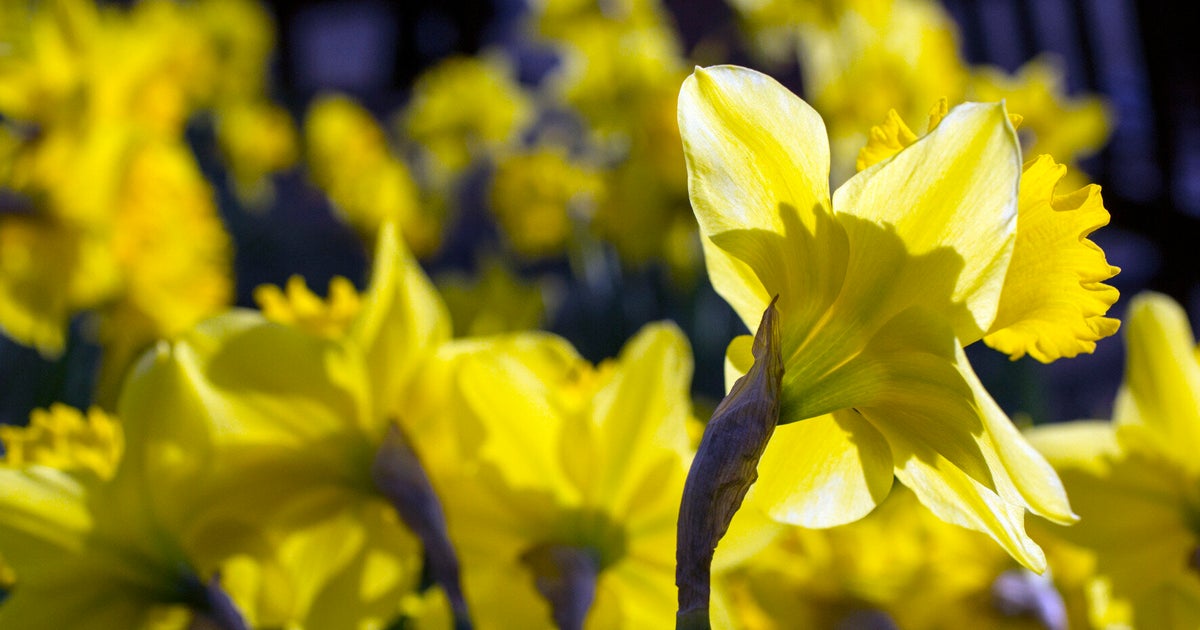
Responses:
[878,55]
[1134,481]
[349,158]
[879,288]
[315,411]
[464,108]
[82,531]
[568,517]
[133,233]
[540,197]
[257,139]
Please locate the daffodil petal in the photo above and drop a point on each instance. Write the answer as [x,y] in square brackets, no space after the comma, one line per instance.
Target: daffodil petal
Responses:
[1018,470]
[652,380]
[1161,400]
[956,497]
[1054,297]
[1082,444]
[1120,497]
[401,321]
[949,200]
[511,394]
[758,161]
[43,512]
[918,392]
[235,416]
[824,471]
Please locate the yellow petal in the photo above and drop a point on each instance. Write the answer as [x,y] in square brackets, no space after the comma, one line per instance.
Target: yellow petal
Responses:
[758,162]
[885,141]
[824,471]
[1019,472]
[950,198]
[920,394]
[1160,405]
[37,262]
[1082,444]
[512,393]
[235,415]
[1131,506]
[956,497]
[401,322]
[642,413]
[1054,297]
[43,512]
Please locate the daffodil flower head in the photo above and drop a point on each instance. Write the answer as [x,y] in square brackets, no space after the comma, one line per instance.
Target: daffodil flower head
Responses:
[1135,481]
[1055,123]
[541,197]
[349,158]
[464,107]
[79,529]
[880,286]
[576,484]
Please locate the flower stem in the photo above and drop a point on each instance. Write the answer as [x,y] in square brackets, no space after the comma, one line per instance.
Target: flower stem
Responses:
[724,469]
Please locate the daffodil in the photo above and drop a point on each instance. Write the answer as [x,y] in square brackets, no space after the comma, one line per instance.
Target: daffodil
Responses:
[349,158]
[540,198]
[494,300]
[304,424]
[104,96]
[567,517]
[82,532]
[872,56]
[879,288]
[1134,480]
[464,108]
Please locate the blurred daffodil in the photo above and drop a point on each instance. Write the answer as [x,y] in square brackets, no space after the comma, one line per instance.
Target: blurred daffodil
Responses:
[257,139]
[315,408]
[494,300]
[879,289]
[464,108]
[1134,481]
[568,518]
[349,158]
[540,198]
[83,537]
[133,233]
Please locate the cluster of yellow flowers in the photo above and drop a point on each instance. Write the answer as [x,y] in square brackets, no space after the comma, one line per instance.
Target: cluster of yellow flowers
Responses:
[362,460]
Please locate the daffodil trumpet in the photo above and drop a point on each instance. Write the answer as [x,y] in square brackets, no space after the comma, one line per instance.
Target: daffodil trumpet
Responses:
[723,470]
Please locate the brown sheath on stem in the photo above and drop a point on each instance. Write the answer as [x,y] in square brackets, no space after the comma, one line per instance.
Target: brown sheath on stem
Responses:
[725,466]
[400,477]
